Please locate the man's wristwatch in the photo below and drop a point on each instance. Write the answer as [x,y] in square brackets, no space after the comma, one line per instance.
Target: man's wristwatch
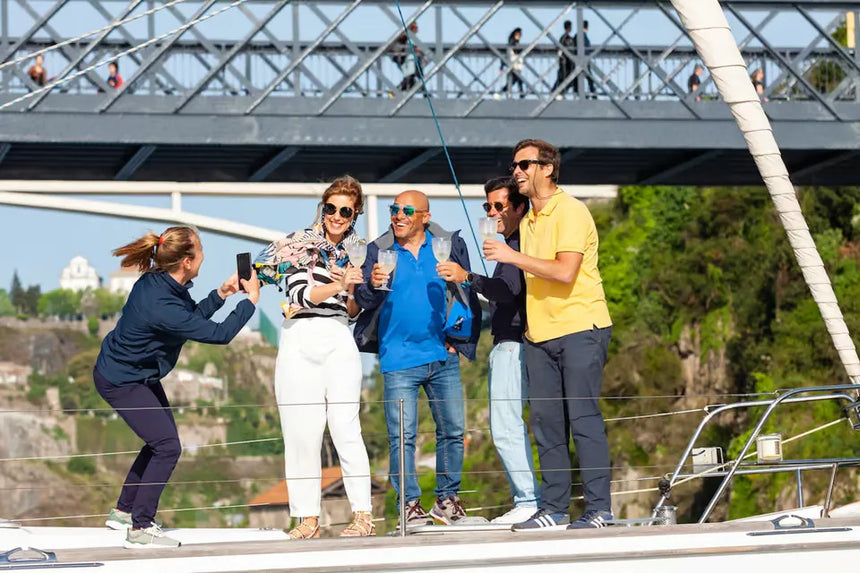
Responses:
[468,281]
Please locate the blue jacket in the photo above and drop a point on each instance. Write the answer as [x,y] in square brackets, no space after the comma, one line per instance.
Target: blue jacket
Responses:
[157,319]
[371,299]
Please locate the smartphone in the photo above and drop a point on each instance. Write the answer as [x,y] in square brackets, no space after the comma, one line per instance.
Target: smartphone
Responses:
[243,266]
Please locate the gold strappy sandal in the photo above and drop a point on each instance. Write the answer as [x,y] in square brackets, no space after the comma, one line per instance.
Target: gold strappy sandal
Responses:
[308,528]
[361,526]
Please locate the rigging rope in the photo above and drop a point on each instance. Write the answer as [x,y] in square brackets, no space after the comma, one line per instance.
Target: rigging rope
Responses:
[419,68]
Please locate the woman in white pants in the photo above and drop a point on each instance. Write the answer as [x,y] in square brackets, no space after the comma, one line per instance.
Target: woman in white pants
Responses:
[318,369]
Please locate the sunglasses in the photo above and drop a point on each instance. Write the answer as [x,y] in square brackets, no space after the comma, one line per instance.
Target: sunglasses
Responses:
[499,207]
[331,209]
[408,210]
[523,164]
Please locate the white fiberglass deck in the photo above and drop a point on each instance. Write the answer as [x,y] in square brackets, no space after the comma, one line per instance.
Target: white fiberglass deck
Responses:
[743,546]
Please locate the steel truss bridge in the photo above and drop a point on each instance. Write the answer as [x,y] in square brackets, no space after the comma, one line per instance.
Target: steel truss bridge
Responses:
[295,90]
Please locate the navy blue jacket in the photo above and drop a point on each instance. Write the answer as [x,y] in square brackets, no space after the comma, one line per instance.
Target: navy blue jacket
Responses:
[371,299]
[157,319]
[507,295]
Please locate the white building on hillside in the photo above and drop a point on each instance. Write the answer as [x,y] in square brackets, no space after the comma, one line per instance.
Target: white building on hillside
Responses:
[79,275]
[122,280]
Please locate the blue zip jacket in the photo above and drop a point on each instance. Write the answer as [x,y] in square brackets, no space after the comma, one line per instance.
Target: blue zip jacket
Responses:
[370,299]
[157,319]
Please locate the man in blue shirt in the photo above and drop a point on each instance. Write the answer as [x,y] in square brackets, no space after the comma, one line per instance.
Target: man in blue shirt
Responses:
[406,327]
[508,382]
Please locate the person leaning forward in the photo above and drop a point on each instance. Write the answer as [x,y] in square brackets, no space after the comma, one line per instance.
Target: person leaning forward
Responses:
[405,326]
[567,338]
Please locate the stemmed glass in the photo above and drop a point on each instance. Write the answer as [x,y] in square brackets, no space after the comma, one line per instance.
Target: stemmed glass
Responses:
[357,253]
[387,262]
[441,248]
[487,227]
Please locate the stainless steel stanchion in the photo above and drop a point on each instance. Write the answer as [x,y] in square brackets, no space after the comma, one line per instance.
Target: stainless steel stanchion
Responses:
[402,478]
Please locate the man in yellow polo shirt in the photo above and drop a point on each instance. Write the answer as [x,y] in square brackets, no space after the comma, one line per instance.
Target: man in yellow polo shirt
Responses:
[567,338]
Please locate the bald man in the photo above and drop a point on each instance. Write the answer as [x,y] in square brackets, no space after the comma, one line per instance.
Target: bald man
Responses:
[406,327]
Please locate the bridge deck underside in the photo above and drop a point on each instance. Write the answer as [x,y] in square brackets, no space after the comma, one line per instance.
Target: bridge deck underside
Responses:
[671,166]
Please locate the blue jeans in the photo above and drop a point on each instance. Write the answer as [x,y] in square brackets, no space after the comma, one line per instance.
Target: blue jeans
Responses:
[508,391]
[441,382]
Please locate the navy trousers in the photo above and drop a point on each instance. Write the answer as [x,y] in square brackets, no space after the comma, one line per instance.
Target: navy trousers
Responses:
[145,409]
[565,375]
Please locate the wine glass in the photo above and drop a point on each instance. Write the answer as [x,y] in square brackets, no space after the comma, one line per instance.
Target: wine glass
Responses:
[487,228]
[357,253]
[441,248]
[387,262]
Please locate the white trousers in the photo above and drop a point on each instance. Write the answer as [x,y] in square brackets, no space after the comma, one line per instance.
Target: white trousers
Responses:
[318,380]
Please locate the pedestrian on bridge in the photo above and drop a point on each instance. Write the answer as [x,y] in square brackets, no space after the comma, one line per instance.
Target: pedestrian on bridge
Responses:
[157,319]
[514,64]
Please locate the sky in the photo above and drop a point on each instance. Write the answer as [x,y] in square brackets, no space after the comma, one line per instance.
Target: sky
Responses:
[39,243]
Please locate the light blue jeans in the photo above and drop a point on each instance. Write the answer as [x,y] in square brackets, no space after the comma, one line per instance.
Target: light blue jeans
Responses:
[508,394]
[441,382]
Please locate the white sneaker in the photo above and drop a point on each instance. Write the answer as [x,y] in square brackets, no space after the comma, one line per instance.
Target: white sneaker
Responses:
[518,514]
[150,538]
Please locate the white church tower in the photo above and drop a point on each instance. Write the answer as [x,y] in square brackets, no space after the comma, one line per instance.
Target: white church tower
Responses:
[79,275]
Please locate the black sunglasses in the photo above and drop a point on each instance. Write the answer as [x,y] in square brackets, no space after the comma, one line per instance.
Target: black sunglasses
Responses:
[499,207]
[331,209]
[523,164]
[408,210]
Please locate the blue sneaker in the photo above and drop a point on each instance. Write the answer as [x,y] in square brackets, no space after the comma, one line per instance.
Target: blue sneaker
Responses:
[542,519]
[591,519]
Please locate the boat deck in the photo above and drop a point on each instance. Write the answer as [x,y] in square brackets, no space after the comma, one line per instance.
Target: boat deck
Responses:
[664,548]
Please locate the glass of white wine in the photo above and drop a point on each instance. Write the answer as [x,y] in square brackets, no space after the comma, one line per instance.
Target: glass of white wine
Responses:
[487,227]
[387,262]
[441,248]
[357,253]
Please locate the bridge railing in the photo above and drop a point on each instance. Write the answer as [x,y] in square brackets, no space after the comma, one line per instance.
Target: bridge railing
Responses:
[260,50]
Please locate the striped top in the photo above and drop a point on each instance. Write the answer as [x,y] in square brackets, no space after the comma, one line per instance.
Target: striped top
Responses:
[299,292]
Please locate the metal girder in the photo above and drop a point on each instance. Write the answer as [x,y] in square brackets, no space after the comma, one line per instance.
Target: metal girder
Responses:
[824,164]
[44,23]
[133,41]
[492,131]
[450,54]
[272,164]
[36,100]
[135,162]
[410,166]
[226,58]
[798,76]
[295,63]
[665,173]
[40,22]
[363,66]
[152,59]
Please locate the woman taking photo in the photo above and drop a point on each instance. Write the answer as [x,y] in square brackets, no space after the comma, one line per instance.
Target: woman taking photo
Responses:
[318,369]
[157,319]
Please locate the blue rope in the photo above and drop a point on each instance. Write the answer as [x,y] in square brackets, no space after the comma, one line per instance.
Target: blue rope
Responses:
[420,70]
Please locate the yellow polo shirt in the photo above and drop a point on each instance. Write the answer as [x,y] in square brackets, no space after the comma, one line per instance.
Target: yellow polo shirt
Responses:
[554,309]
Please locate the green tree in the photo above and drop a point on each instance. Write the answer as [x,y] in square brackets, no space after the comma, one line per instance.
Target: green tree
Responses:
[109,303]
[30,301]
[63,303]
[6,306]
[16,293]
